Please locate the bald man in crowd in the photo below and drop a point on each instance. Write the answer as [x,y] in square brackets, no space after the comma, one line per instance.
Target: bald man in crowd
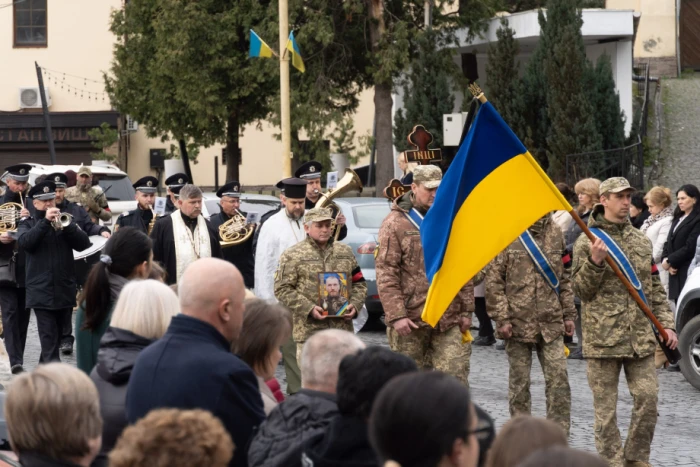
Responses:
[280,439]
[192,367]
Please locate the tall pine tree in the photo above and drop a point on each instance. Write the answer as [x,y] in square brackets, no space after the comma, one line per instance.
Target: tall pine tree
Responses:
[573,129]
[503,82]
[609,119]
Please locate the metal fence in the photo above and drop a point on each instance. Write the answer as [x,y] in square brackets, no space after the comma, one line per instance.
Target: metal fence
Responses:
[625,162]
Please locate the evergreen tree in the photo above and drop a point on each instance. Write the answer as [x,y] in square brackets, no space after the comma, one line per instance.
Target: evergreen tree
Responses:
[503,82]
[427,96]
[514,6]
[573,129]
[609,119]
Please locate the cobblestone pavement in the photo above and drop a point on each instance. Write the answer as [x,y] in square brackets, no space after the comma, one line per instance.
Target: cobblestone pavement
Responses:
[677,431]
[680,156]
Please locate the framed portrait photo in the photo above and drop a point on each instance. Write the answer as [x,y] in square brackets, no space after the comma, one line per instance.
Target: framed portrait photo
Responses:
[333,293]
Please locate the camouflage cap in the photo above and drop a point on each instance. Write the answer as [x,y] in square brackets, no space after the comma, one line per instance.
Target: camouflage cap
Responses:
[84,170]
[615,185]
[429,176]
[318,215]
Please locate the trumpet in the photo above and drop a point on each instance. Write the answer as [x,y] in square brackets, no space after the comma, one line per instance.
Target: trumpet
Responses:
[62,221]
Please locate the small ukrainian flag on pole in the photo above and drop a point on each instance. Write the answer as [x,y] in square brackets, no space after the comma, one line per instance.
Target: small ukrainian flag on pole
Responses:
[258,47]
[293,48]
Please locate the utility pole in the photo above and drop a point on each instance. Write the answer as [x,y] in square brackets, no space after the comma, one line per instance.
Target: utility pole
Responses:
[428,19]
[47,118]
[285,113]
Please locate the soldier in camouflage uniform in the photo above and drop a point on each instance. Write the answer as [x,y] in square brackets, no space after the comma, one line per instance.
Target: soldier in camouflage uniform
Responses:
[91,198]
[297,278]
[616,333]
[531,315]
[403,287]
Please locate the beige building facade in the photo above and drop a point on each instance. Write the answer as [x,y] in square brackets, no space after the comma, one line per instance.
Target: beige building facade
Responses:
[71,42]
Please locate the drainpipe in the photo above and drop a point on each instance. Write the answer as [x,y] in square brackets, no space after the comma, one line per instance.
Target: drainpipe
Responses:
[678,35]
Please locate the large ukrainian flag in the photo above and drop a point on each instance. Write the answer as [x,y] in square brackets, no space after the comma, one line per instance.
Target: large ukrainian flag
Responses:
[493,191]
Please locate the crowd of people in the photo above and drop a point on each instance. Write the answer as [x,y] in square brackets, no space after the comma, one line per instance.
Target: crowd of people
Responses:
[178,332]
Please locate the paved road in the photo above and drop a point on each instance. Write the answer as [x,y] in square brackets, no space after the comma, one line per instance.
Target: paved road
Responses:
[677,431]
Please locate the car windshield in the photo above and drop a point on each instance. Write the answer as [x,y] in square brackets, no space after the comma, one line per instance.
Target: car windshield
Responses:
[117,187]
[371,216]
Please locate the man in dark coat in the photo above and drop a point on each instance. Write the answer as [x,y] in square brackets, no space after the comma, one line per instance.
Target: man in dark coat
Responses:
[241,254]
[15,315]
[82,220]
[174,183]
[51,284]
[141,217]
[184,236]
[279,441]
[192,367]
[311,172]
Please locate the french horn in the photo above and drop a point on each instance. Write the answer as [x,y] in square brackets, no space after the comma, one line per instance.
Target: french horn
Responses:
[235,231]
[9,217]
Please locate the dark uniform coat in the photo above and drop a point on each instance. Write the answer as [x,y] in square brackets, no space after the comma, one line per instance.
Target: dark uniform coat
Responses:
[240,255]
[50,280]
[137,218]
[6,251]
[164,243]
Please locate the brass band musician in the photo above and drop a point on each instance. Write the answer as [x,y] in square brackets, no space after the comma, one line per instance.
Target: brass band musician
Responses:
[239,253]
[174,184]
[143,217]
[311,173]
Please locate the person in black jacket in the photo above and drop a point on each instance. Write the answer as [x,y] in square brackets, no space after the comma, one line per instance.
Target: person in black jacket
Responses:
[174,183]
[82,220]
[192,367]
[141,217]
[360,378]
[15,315]
[241,254]
[280,440]
[679,249]
[51,284]
[142,315]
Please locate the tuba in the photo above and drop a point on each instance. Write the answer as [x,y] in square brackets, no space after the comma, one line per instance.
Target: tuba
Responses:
[62,221]
[9,217]
[350,182]
[235,230]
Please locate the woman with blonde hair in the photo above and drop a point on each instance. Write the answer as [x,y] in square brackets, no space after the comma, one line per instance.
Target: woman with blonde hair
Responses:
[588,194]
[658,225]
[142,315]
[406,169]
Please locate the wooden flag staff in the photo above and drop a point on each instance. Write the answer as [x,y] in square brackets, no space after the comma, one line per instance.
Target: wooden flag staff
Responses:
[673,355]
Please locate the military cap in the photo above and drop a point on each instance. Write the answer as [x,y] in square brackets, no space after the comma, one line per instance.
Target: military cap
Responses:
[147,184]
[232,189]
[19,172]
[60,179]
[84,170]
[177,181]
[294,188]
[43,191]
[615,185]
[309,171]
[318,215]
[429,176]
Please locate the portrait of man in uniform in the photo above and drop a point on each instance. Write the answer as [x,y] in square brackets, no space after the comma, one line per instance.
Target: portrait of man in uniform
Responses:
[333,293]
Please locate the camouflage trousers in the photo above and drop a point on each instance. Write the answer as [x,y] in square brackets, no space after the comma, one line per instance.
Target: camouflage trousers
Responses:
[291,368]
[603,378]
[557,391]
[429,348]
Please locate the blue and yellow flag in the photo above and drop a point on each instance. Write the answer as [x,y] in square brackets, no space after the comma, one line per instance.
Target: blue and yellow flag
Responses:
[258,47]
[293,48]
[473,217]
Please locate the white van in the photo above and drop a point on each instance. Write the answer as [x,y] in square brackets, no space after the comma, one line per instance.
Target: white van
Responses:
[115,184]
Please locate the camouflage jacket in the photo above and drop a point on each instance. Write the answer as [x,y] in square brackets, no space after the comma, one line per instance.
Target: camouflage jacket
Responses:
[613,324]
[297,284]
[516,292]
[93,201]
[401,279]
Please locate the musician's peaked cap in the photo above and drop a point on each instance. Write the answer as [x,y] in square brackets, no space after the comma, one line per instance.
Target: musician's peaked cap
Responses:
[19,172]
[147,184]
[232,189]
[309,171]
[60,179]
[615,185]
[318,215]
[84,170]
[294,188]
[429,176]
[43,191]
[177,180]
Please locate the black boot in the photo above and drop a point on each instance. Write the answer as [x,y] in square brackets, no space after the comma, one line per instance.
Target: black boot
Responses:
[484,341]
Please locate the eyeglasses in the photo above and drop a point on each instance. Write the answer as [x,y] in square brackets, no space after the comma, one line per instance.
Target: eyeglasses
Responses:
[481,432]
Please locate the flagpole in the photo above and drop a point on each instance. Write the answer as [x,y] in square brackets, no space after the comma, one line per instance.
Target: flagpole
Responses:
[285,113]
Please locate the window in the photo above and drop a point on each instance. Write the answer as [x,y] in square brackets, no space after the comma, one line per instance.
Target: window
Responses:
[371,216]
[30,23]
